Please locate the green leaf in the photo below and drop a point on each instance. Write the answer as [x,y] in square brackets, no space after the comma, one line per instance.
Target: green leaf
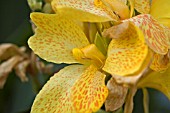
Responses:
[101,43]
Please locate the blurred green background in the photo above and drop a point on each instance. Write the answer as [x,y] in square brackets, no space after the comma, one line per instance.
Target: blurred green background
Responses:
[17,97]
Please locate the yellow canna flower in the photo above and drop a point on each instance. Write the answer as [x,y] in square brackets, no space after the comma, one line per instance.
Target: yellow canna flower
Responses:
[80,87]
[155,28]
[60,40]
[157,36]
[76,88]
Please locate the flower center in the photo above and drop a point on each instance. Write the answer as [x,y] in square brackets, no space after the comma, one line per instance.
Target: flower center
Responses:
[89,55]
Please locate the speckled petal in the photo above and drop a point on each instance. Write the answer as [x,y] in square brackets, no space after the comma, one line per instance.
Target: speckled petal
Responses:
[159,62]
[118,7]
[126,54]
[157,80]
[55,38]
[55,95]
[142,6]
[89,92]
[83,10]
[156,35]
[133,79]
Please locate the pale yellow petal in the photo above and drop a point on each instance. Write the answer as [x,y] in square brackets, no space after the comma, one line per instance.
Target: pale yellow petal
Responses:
[156,35]
[83,10]
[157,80]
[126,54]
[55,38]
[55,95]
[164,21]
[123,1]
[159,62]
[142,6]
[118,7]
[89,92]
[160,9]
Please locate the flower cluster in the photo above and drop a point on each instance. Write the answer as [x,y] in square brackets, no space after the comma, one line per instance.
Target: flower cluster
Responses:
[114,47]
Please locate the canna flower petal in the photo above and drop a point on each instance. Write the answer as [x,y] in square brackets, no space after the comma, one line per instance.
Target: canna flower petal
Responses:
[55,95]
[160,9]
[157,80]
[142,6]
[89,92]
[83,10]
[156,35]
[119,7]
[161,12]
[127,53]
[133,79]
[164,21]
[160,62]
[55,38]
[132,6]
[123,1]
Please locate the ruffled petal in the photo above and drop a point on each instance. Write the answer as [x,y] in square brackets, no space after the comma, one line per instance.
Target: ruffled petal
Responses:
[89,92]
[119,7]
[133,79]
[55,38]
[160,62]
[83,10]
[142,6]
[55,95]
[127,53]
[156,35]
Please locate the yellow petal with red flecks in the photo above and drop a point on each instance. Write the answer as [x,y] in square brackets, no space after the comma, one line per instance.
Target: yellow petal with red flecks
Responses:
[142,6]
[55,95]
[118,7]
[164,21]
[83,10]
[127,53]
[160,9]
[159,62]
[89,92]
[156,35]
[157,80]
[55,37]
